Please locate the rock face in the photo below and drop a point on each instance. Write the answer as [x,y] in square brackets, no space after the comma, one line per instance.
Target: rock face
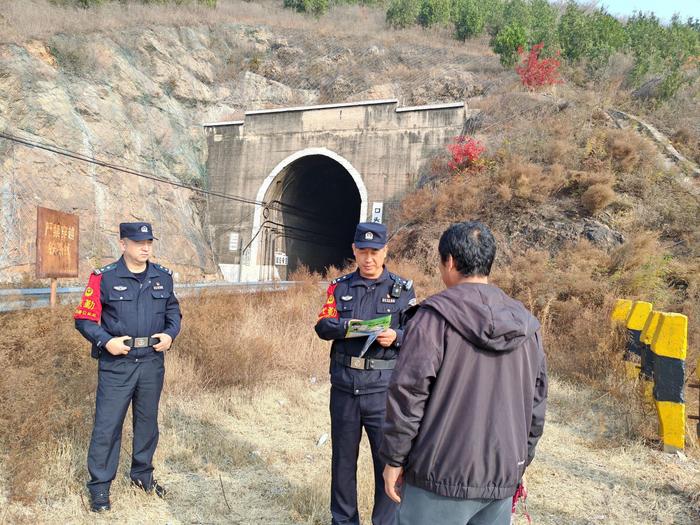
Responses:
[137,99]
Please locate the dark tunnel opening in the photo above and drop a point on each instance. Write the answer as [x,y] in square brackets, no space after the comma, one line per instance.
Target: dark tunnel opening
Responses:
[317,204]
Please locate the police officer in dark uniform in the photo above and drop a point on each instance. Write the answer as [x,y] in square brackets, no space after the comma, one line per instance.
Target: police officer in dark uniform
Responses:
[131,316]
[359,383]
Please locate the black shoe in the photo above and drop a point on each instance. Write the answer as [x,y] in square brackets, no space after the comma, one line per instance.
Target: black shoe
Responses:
[100,502]
[154,488]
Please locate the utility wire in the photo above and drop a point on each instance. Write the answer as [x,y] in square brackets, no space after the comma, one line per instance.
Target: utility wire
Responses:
[65,152]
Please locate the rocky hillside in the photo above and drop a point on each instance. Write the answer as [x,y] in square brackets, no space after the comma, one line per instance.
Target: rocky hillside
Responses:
[136,97]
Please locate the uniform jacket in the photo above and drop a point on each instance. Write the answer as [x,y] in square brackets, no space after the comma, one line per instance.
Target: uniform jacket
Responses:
[466,404]
[353,297]
[115,304]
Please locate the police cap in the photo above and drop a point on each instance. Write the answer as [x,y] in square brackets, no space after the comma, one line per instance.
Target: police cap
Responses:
[370,235]
[136,231]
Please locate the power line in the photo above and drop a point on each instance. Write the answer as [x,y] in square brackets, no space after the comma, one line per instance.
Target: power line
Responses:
[123,169]
[65,152]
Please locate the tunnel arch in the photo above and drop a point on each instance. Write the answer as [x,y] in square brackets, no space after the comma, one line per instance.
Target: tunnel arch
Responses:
[303,217]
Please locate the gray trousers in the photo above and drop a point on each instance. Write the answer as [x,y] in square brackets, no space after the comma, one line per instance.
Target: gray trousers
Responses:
[422,507]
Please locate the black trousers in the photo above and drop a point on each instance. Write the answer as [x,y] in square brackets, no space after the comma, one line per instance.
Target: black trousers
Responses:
[349,415]
[122,382]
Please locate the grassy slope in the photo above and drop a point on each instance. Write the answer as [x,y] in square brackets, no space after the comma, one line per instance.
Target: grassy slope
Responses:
[240,427]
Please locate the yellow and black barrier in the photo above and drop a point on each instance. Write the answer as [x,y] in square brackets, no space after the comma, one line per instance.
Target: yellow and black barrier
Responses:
[635,322]
[645,338]
[670,346]
[621,310]
[656,349]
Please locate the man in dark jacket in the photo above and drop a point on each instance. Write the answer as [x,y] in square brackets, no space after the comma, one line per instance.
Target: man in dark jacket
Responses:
[467,400]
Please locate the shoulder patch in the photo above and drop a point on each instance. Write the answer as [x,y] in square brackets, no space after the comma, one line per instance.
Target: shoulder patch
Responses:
[342,278]
[163,269]
[104,269]
[408,284]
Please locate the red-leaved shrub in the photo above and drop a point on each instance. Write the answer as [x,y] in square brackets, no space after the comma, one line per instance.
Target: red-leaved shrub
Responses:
[466,153]
[536,73]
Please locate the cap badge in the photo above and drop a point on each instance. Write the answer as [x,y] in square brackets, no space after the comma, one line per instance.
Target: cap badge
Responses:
[369,236]
[144,229]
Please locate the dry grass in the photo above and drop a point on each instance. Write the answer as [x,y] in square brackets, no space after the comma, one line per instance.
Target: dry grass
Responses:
[41,19]
[244,407]
[597,197]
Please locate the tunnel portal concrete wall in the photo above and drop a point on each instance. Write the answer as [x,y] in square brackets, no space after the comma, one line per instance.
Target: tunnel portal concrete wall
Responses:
[382,146]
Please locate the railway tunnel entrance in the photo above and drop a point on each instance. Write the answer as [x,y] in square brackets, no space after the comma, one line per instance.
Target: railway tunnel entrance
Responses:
[315,199]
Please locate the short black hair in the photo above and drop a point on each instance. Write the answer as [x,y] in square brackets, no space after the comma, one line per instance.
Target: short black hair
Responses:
[472,247]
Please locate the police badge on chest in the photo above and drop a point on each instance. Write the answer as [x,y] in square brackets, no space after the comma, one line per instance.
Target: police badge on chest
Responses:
[157,286]
[389,300]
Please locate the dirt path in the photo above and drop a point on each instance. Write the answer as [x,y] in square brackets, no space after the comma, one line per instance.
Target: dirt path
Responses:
[237,459]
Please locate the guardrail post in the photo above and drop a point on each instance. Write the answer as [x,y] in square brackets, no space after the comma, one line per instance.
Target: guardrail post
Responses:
[621,310]
[647,371]
[637,318]
[670,346]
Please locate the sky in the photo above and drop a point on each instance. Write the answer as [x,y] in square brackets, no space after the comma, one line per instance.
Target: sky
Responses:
[664,9]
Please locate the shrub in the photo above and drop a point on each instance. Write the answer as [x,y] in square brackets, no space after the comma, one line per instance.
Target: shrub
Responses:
[597,197]
[402,13]
[432,12]
[536,73]
[469,19]
[314,7]
[507,42]
[466,153]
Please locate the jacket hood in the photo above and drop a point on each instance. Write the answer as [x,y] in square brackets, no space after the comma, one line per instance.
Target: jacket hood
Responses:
[485,316]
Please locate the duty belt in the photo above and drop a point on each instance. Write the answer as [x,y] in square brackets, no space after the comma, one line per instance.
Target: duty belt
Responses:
[141,342]
[364,363]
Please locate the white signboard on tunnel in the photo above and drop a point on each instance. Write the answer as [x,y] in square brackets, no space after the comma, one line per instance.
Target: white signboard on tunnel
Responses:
[233,242]
[281,259]
[377,211]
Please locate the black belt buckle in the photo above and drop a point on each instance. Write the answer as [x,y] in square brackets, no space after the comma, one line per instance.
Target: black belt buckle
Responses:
[139,342]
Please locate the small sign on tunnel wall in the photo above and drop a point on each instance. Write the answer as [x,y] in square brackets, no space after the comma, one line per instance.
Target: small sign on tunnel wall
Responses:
[281,259]
[377,211]
[233,242]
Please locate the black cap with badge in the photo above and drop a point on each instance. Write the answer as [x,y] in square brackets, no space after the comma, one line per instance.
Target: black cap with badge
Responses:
[136,231]
[370,235]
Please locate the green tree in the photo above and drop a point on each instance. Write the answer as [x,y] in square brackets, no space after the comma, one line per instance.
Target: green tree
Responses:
[433,12]
[573,31]
[507,42]
[606,36]
[469,19]
[517,12]
[402,13]
[314,7]
[543,28]
[493,15]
